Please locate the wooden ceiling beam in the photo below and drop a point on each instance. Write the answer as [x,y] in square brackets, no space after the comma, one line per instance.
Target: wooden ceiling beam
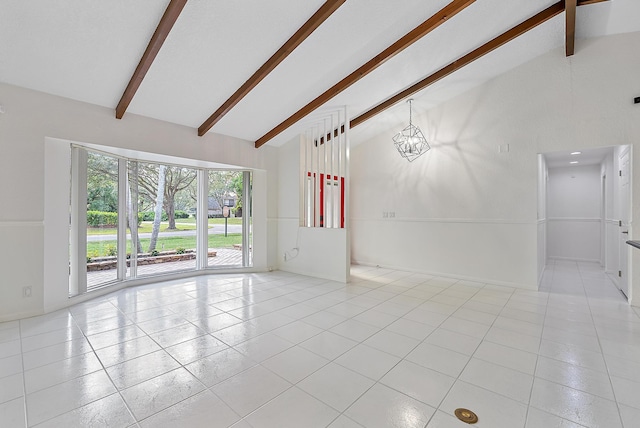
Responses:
[321,15]
[407,40]
[493,44]
[570,26]
[505,37]
[157,40]
[586,2]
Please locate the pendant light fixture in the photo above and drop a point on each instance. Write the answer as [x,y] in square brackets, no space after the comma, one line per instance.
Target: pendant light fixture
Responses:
[410,142]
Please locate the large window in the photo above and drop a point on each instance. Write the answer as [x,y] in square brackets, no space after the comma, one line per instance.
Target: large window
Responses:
[132,219]
[102,219]
[225,218]
[166,232]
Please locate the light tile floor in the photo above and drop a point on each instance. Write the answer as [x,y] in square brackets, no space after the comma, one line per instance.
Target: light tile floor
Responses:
[391,349]
[225,257]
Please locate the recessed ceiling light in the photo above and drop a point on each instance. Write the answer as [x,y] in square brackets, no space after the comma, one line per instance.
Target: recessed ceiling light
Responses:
[576,153]
[574,162]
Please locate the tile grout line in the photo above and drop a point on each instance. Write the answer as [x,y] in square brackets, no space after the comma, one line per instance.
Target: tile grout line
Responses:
[535,367]
[613,391]
[365,308]
[24,381]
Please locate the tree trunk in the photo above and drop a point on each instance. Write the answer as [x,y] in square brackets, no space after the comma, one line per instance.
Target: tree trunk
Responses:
[170,209]
[157,215]
[132,205]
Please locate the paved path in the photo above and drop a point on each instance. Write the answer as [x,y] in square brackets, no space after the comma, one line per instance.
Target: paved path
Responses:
[225,257]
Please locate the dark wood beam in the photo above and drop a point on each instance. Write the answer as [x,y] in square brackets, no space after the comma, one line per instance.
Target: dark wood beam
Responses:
[570,26]
[157,40]
[505,37]
[586,2]
[407,40]
[303,32]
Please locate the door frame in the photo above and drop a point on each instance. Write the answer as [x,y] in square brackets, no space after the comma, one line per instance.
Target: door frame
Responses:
[624,255]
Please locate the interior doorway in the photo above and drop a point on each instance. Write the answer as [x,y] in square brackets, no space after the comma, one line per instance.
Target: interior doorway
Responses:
[584,200]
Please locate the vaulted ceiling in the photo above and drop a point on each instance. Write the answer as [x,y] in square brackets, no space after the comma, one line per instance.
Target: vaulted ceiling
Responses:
[88,50]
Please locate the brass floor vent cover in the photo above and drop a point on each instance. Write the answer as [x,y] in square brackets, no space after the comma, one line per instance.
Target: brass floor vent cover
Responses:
[466,415]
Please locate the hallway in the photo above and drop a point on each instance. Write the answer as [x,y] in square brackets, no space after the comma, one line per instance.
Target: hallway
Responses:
[390,349]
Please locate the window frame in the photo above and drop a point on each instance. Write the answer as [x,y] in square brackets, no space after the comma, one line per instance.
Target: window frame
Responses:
[78,223]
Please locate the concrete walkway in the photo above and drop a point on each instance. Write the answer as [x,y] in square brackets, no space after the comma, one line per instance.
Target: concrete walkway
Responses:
[225,257]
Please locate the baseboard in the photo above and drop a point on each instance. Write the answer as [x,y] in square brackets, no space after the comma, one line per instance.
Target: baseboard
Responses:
[449,275]
[21,315]
[575,259]
[284,268]
[541,275]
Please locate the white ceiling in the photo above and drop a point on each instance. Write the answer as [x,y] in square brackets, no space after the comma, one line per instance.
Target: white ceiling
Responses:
[88,49]
[583,157]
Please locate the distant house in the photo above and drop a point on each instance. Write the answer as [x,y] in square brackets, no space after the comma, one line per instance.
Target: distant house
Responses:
[214,207]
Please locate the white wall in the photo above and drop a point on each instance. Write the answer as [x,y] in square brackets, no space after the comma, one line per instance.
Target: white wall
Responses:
[543,177]
[319,252]
[574,213]
[464,209]
[34,176]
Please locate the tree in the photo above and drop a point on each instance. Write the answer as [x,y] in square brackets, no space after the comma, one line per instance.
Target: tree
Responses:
[102,183]
[221,185]
[102,198]
[157,218]
[176,180]
[237,183]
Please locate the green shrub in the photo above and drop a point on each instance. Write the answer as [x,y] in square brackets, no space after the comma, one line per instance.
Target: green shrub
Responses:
[108,219]
[181,214]
[111,250]
[92,255]
[102,218]
[150,215]
[180,250]
[155,253]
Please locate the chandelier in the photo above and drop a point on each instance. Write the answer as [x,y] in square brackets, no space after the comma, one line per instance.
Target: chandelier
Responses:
[410,142]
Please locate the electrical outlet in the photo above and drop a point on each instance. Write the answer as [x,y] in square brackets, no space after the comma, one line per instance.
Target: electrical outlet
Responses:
[392,214]
[636,100]
[26,292]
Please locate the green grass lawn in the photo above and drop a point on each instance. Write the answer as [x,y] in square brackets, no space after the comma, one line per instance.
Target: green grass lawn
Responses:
[181,224]
[99,249]
[232,220]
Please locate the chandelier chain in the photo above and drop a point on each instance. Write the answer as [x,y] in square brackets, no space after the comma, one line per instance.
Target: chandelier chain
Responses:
[410,114]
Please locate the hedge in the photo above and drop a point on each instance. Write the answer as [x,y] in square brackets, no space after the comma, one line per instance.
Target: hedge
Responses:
[150,215]
[101,218]
[108,219]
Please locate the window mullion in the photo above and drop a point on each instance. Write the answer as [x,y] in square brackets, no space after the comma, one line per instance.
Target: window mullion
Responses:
[246,216]
[122,220]
[202,221]
[78,280]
